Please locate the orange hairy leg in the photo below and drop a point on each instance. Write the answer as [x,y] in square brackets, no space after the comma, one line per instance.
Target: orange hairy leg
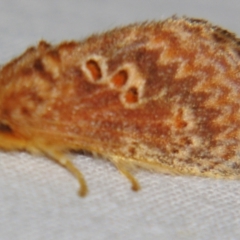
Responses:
[64,161]
[160,95]
[11,140]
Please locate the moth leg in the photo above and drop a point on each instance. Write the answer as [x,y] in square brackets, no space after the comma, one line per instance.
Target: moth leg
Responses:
[83,185]
[64,161]
[135,184]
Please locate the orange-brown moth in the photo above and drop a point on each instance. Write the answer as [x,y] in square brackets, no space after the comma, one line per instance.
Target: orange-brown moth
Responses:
[158,95]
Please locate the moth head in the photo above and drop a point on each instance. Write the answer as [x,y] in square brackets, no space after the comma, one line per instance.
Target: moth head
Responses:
[24,88]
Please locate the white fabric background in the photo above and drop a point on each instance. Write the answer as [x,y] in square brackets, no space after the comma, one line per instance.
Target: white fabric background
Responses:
[38,198]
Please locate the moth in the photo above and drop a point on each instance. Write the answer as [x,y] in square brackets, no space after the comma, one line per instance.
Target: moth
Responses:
[160,95]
